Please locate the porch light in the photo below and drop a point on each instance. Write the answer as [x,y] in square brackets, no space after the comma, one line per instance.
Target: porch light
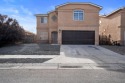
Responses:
[59,30]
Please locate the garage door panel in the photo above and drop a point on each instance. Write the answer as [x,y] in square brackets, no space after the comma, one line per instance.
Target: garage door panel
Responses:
[78,37]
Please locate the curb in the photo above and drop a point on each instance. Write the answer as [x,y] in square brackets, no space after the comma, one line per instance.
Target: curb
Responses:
[58,66]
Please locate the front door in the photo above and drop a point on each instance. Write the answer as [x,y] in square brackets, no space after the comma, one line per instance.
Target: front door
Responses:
[54,37]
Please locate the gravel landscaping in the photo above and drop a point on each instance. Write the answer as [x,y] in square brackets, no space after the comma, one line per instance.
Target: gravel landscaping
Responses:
[28,60]
[117,49]
[31,49]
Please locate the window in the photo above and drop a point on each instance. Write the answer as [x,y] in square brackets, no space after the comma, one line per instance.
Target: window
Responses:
[44,20]
[78,15]
[54,18]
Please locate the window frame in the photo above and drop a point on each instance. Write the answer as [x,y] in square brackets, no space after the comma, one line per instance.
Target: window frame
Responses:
[45,20]
[78,12]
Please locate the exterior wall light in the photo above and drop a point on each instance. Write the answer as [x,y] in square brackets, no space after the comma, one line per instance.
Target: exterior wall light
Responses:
[59,30]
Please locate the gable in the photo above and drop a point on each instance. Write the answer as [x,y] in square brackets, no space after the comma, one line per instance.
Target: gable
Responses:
[115,12]
[70,6]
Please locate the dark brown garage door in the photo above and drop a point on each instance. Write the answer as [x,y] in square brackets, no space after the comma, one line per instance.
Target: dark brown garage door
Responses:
[78,37]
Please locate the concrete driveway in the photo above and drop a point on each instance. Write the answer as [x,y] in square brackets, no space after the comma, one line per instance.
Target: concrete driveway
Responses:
[87,54]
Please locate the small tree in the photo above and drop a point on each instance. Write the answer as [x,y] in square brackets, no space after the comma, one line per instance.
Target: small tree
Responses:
[10,30]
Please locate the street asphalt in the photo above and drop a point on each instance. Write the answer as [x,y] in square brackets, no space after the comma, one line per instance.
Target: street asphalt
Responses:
[62,76]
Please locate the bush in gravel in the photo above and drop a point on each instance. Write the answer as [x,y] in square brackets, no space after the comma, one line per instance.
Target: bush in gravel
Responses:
[10,31]
[105,40]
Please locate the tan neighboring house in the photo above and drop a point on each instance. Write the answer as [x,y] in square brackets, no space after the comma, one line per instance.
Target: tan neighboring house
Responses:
[113,25]
[29,37]
[70,23]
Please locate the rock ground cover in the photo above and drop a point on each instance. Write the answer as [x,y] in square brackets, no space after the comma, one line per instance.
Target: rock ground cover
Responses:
[117,49]
[31,49]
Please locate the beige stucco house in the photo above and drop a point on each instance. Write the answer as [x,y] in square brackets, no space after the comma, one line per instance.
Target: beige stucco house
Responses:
[113,24]
[70,23]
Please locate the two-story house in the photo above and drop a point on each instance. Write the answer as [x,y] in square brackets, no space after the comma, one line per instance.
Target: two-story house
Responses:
[70,23]
[113,25]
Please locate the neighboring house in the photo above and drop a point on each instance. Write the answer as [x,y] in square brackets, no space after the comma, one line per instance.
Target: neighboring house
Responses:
[113,25]
[70,23]
[29,37]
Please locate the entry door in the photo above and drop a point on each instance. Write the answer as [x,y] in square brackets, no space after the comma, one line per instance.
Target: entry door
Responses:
[54,37]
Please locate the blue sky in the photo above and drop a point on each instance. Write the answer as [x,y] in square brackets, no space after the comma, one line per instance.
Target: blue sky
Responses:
[24,10]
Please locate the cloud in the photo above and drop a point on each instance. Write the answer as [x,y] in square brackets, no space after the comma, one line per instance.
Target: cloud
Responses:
[22,15]
[26,11]
[9,10]
[27,22]
[50,8]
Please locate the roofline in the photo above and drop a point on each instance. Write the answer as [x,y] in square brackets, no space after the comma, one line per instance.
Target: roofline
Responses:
[51,11]
[41,15]
[45,14]
[113,12]
[79,3]
[102,15]
[67,4]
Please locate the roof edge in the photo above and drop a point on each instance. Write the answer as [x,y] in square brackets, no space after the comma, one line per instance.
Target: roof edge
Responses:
[102,15]
[51,11]
[113,12]
[79,3]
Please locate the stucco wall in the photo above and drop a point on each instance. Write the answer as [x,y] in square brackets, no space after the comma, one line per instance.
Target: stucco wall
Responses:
[42,31]
[53,23]
[90,21]
[65,21]
[111,26]
[65,16]
[53,20]
[123,26]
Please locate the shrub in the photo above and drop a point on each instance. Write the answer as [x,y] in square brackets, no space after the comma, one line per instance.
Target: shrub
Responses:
[10,30]
[105,40]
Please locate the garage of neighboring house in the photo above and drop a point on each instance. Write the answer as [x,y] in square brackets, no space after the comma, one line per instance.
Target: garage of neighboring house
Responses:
[78,37]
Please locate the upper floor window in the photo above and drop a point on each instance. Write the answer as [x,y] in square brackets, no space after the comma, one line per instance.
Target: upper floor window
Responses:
[43,19]
[78,15]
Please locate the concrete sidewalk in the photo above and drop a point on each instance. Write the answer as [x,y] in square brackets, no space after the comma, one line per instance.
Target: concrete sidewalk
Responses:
[62,66]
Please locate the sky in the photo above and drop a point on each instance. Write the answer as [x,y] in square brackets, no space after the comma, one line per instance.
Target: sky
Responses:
[24,10]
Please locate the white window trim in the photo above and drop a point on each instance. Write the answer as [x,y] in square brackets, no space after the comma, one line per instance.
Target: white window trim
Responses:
[78,16]
[44,20]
